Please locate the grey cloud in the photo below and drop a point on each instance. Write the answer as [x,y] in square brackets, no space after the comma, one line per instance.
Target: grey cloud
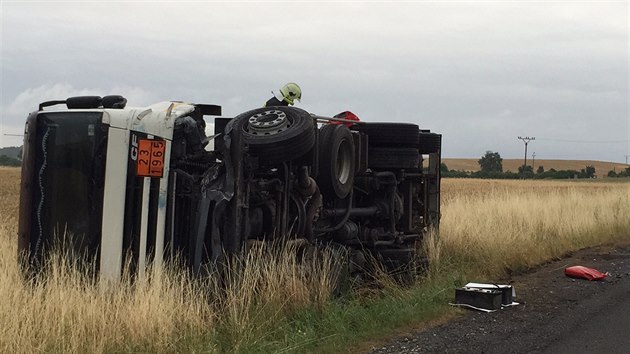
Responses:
[456,68]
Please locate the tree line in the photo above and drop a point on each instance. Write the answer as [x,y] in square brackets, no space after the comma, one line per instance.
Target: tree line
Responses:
[491,166]
[9,161]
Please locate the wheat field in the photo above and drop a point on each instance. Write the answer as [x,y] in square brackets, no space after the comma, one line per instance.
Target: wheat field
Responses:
[488,228]
[503,226]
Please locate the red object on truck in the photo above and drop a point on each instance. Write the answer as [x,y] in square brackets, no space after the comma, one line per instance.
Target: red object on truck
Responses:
[584,273]
[345,115]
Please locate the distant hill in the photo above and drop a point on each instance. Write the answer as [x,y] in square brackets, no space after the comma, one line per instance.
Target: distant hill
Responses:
[601,167]
[12,151]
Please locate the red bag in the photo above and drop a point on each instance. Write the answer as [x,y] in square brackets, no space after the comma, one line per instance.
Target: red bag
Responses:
[584,273]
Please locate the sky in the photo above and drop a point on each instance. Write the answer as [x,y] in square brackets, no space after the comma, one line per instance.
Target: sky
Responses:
[480,73]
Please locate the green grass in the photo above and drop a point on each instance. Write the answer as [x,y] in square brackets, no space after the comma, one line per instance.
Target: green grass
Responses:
[344,323]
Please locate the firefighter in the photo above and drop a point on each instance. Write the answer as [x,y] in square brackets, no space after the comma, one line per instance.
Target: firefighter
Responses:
[288,93]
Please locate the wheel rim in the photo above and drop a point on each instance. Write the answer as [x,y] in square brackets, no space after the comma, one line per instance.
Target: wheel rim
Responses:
[269,122]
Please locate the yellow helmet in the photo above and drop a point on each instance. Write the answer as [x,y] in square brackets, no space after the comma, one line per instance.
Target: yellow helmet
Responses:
[290,92]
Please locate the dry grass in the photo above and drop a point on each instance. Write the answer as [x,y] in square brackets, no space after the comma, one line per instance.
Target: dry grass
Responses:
[482,189]
[67,313]
[168,313]
[503,226]
[488,228]
[272,283]
[601,167]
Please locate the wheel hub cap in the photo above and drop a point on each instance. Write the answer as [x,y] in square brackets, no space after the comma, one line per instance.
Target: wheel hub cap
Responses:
[268,123]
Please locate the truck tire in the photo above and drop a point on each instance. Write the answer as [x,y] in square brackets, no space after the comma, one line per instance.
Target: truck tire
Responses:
[393,158]
[277,134]
[429,143]
[336,160]
[390,134]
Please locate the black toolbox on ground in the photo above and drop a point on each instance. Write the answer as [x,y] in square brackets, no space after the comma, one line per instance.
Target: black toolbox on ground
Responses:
[488,299]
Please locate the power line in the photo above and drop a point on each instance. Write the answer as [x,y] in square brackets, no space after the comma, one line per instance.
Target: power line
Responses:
[585,141]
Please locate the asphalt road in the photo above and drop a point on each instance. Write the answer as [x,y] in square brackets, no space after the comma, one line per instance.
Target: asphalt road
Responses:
[557,314]
[598,324]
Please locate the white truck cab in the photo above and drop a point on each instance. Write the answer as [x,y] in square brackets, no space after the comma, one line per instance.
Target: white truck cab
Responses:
[96,175]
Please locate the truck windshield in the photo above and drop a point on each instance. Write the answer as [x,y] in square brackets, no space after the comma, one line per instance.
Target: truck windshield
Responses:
[68,181]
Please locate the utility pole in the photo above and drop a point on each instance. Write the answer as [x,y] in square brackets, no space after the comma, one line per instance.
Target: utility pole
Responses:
[533,161]
[526,140]
[626,158]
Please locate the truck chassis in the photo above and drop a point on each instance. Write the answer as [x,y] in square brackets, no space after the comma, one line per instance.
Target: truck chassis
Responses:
[140,185]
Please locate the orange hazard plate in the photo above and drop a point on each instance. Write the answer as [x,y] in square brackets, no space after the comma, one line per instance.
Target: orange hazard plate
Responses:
[150,158]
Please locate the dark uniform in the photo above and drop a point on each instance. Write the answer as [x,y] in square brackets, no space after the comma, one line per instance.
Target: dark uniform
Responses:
[273,101]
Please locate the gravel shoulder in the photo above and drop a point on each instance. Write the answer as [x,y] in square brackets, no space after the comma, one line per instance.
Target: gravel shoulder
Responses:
[557,314]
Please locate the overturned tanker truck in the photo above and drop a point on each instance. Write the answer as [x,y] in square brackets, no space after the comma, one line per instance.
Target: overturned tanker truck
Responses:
[141,185]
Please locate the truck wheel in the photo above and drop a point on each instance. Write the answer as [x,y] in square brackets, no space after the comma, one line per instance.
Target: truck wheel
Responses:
[388,134]
[277,134]
[336,160]
[429,143]
[393,158]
